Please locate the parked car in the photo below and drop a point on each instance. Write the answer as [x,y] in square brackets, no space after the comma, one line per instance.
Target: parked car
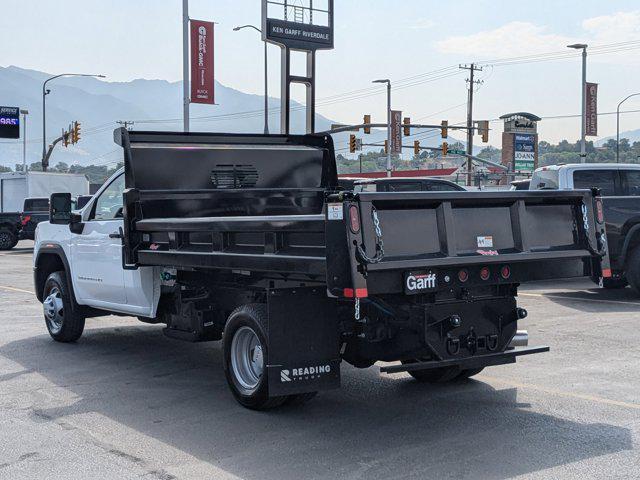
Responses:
[398,184]
[10,227]
[520,184]
[34,211]
[619,186]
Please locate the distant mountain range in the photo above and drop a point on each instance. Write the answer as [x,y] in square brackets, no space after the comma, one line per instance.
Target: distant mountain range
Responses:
[631,135]
[151,104]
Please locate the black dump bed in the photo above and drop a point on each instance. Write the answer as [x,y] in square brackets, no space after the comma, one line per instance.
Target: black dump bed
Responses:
[271,204]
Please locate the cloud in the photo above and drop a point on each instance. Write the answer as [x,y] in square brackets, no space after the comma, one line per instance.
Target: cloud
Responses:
[422,24]
[524,38]
[512,39]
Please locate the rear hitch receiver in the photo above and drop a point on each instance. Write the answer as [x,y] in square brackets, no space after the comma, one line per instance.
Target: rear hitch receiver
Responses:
[522,313]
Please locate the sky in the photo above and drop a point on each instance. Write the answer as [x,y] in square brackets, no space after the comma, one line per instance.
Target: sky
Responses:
[418,44]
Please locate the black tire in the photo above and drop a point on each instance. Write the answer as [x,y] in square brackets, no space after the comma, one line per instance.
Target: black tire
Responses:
[468,373]
[433,375]
[8,239]
[254,318]
[68,323]
[633,269]
[300,398]
[614,283]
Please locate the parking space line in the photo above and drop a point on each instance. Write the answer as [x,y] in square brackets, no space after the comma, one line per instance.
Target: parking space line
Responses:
[561,297]
[562,393]
[13,289]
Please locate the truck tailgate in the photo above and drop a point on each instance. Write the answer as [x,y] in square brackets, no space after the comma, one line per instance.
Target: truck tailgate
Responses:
[542,234]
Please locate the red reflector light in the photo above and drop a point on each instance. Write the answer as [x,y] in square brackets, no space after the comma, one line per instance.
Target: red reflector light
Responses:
[463,275]
[599,211]
[354,219]
[485,273]
[358,293]
[505,272]
[606,273]
[25,219]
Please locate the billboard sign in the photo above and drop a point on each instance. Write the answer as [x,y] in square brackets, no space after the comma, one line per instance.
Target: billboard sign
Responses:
[396,131]
[300,26]
[202,77]
[591,115]
[524,156]
[9,122]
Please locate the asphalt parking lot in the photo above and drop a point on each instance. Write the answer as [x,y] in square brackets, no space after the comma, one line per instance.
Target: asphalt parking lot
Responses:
[126,402]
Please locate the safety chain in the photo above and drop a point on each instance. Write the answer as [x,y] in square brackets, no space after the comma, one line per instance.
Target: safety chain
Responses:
[357,309]
[379,243]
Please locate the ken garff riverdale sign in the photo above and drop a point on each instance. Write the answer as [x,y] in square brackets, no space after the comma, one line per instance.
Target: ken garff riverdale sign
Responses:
[300,27]
[9,122]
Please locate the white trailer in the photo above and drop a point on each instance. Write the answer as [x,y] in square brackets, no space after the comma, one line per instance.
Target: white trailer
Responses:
[15,187]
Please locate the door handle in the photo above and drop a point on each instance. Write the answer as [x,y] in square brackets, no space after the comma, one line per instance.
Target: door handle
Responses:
[117,234]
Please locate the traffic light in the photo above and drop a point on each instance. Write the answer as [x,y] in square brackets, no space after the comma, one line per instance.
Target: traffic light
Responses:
[416,147]
[352,143]
[76,132]
[367,121]
[483,129]
[65,137]
[407,129]
[444,129]
[386,146]
[445,148]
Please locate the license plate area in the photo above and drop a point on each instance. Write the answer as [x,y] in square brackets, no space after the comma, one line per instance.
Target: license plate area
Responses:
[420,281]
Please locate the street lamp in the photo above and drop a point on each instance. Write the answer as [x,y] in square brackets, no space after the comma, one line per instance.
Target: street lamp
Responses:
[46,92]
[388,82]
[24,139]
[583,47]
[266,89]
[618,125]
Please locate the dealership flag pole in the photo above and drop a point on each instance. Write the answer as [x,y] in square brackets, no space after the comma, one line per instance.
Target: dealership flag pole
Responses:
[185,63]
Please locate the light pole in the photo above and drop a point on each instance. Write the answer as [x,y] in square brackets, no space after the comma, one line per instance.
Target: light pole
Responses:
[388,82]
[583,147]
[618,125]
[46,92]
[266,87]
[24,139]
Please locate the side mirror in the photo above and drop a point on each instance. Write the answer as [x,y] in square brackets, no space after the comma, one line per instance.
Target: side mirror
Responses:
[60,209]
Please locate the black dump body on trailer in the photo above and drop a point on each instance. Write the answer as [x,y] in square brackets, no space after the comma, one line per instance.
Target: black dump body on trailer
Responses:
[426,278]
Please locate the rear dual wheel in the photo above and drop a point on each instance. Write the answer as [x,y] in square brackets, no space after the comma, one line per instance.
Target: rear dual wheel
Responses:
[246,357]
[442,374]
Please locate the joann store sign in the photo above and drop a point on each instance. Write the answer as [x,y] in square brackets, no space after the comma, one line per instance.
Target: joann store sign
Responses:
[9,122]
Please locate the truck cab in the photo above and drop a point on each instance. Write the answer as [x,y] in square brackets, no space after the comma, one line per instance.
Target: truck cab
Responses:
[619,186]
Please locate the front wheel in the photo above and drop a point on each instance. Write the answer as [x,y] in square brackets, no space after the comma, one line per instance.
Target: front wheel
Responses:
[246,357]
[61,314]
[8,239]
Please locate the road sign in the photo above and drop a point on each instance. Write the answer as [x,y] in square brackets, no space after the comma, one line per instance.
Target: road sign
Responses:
[396,132]
[9,122]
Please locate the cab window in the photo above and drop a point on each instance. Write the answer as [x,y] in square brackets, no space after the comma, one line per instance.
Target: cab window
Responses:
[605,180]
[108,205]
[631,182]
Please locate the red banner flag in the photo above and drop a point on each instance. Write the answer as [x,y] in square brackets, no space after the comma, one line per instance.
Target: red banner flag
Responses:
[202,78]
[591,117]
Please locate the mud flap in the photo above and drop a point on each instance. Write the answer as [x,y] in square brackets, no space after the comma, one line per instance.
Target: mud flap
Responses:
[303,341]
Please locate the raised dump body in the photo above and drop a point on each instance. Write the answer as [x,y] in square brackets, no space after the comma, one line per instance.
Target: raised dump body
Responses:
[428,279]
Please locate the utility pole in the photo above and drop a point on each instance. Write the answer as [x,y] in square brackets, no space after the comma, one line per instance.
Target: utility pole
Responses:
[472,68]
[583,82]
[185,64]
[24,139]
[388,82]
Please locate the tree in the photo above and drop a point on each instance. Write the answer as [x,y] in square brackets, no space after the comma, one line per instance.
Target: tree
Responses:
[4,169]
[60,167]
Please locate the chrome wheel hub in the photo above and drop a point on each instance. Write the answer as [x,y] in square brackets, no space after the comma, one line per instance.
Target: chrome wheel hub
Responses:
[54,310]
[247,360]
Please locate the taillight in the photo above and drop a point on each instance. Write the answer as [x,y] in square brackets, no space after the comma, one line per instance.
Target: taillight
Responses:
[463,275]
[25,219]
[354,219]
[599,210]
[485,273]
[505,272]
